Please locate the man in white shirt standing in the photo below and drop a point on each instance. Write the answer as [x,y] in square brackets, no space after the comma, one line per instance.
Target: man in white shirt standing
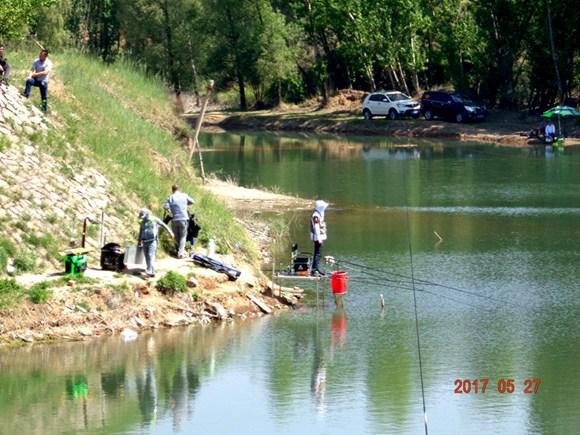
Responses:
[177,204]
[38,77]
[317,234]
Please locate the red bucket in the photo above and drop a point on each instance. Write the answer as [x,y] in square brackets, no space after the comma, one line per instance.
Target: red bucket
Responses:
[338,282]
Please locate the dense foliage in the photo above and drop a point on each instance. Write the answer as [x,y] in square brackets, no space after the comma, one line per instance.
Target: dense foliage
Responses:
[512,53]
[171,283]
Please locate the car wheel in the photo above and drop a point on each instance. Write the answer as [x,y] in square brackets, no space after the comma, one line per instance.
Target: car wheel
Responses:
[367,114]
[428,115]
[459,117]
[393,114]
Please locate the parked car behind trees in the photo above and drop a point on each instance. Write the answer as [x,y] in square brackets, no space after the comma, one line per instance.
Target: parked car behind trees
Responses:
[451,105]
[393,104]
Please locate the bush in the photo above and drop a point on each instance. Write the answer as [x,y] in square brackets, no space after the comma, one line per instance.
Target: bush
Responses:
[10,292]
[172,282]
[40,293]
[7,249]
[24,263]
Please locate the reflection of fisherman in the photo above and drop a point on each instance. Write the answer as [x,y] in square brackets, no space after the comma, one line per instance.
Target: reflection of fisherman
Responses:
[318,379]
[317,234]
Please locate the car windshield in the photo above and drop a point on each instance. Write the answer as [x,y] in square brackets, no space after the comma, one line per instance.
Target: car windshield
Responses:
[461,99]
[398,96]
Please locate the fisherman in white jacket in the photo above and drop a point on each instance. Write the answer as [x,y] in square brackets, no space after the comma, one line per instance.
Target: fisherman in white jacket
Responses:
[317,234]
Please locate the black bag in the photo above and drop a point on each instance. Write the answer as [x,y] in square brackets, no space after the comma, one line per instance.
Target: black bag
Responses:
[192,229]
[167,218]
[112,257]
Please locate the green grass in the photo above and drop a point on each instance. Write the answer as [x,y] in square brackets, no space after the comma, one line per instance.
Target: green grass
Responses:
[121,288]
[40,293]
[24,262]
[4,143]
[122,121]
[7,249]
[10,293]
[84,305]
[171,283]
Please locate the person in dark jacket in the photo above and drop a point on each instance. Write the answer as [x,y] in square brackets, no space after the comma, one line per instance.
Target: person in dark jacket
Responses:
[192,230]
[4,67]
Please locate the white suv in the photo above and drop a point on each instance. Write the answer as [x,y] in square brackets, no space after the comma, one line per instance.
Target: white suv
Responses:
[393,104]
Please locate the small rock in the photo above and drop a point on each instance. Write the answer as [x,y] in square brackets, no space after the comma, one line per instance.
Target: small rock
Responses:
[71,283]
[192,282]
[219,310]
[85,332]
[138,321]
[113,302]
[128,334]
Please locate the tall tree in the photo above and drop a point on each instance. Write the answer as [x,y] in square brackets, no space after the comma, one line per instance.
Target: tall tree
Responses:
[16,16]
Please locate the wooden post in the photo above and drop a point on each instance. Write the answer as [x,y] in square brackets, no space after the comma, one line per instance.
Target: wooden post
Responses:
[195,143]
[102,236]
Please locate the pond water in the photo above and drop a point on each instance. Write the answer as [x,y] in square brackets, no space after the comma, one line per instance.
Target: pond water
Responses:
[497,229]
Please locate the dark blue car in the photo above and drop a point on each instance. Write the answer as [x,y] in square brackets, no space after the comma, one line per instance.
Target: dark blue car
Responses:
[451,105]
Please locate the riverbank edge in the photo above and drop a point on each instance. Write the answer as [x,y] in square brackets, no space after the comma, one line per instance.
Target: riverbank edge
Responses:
[348,123]
[120,304]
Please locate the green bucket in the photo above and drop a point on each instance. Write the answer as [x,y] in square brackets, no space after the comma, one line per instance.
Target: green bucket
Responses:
[75,264]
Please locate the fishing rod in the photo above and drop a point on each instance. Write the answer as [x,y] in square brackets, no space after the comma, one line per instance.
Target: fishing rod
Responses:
[415,301]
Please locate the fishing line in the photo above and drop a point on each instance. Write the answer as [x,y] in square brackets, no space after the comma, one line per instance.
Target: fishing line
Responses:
[415,298]
[380,283]
[426,282]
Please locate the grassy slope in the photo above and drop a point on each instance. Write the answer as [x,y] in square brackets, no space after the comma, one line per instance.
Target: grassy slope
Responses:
[123,120]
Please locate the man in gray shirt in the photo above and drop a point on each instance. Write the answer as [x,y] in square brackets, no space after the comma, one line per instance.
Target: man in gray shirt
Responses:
[38,77]
[177,204]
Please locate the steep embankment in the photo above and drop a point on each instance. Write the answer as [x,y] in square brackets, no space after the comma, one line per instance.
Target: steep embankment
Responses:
[108,146]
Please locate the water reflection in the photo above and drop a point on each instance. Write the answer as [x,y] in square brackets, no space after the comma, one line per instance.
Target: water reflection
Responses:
[318,377]
[109,384]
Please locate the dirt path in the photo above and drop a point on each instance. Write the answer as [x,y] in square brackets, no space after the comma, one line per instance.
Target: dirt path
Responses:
[248,199]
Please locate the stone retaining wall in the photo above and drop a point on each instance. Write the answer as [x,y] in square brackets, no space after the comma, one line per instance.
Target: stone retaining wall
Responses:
[44,195]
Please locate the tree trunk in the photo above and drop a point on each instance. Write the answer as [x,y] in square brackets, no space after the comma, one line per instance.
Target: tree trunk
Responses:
[394,77]
[415,76]
[170,55]
[554,53]
[279,86]
[403,78]
[371,78]
[193,71]
[241,85]
[238,60]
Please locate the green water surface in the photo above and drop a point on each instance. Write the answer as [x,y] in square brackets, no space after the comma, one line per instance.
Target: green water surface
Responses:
[498,229]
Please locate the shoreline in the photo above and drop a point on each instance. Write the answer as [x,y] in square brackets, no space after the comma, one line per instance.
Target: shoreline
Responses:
[106,303]
[502,128]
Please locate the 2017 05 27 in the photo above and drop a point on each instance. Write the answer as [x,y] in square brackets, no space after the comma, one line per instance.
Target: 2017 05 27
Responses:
[503,386]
